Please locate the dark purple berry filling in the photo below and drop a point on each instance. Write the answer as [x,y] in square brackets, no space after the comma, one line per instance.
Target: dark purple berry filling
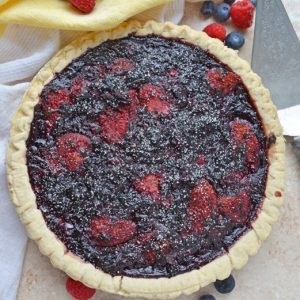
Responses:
[147,157]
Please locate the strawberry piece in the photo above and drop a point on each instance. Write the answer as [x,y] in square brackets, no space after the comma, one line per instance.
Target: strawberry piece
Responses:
[109,233]
[78,290]
[72,149]
[122,66]
[86,6]
[154,98]
[202,203]
[54,101]
[114,124]
[149,185]
[155,105]
[150,257]
[243,134]
[224,83]
[216,30]
[242,13]
[236,208]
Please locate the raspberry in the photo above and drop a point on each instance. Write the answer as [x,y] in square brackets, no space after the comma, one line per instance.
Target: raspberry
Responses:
[236,208]
[72,148]
[202,204]
[242,13]
[216,30]
[85,6]
[122,66]
[149,185]
[78,290]
[109,233]
[224,83]
[154,98]
[114,124]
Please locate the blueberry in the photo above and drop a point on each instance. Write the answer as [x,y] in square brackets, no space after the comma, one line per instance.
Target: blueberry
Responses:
[254,2]
[222,12]
[207,297]
[229,1]
[234,40]
[225,286]
[207,8]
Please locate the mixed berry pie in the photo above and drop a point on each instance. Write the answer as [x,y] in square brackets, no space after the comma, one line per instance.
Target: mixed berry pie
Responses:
[147,161]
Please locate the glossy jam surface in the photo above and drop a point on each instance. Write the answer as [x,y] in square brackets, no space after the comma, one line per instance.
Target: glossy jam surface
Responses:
[147,157]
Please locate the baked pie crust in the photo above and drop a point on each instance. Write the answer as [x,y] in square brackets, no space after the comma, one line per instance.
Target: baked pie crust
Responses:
[24,198]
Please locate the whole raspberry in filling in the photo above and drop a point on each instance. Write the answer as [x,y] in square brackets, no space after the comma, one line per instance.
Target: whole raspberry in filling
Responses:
[147,157]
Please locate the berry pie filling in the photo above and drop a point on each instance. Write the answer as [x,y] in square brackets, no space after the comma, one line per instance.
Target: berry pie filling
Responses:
[147,157]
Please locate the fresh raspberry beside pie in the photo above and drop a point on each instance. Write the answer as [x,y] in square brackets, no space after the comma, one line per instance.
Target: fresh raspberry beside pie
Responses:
[147,161]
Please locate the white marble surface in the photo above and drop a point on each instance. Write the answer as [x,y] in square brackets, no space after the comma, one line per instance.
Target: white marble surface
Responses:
[272,274]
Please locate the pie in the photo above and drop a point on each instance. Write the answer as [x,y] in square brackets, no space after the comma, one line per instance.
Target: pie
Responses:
[147,160]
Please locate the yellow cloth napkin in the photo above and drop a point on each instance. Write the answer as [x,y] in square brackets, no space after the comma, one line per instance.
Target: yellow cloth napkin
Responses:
[61,14]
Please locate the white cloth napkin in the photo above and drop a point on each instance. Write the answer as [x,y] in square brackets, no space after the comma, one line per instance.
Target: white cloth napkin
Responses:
[23,51]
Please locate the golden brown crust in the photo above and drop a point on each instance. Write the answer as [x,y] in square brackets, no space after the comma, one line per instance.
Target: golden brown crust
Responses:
[162,288]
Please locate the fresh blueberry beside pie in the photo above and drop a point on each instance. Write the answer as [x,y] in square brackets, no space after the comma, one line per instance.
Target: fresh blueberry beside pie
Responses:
[147,160]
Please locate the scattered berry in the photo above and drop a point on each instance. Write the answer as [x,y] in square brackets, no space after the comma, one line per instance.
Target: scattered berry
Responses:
[72,149]
[109,233]
[122,66]
[216,30]
[114,124]
[254,2]
[230,2]
[154,98]
[149,185]
[225,286]
[85,6]
[222,12]
[223,83]
[207,8]
[235,40]
[236,208]
[78,290]
[207,297]
[242,13]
